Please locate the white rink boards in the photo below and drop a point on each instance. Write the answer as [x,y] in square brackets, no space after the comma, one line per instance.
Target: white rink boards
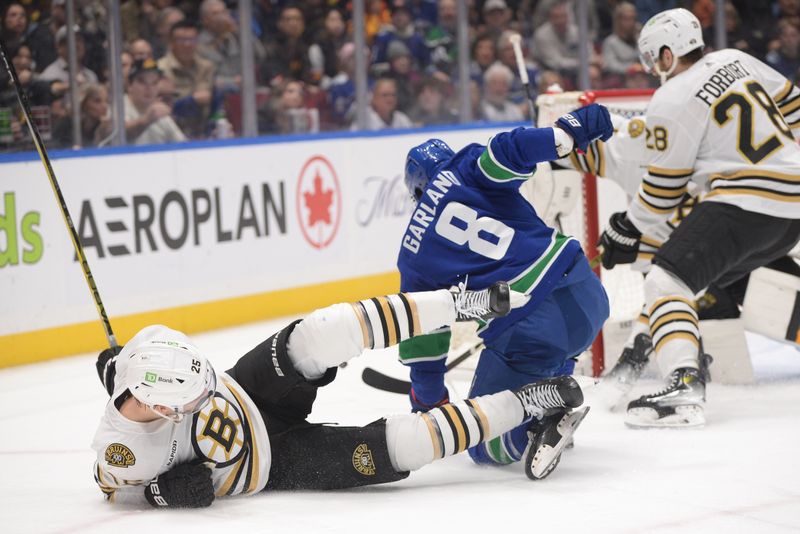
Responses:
[740,473]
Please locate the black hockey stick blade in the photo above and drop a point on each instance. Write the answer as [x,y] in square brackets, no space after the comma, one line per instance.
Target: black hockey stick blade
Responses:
[378,380]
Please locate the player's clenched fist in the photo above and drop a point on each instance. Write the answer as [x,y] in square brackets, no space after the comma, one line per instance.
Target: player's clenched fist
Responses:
[587,124]
[184,486]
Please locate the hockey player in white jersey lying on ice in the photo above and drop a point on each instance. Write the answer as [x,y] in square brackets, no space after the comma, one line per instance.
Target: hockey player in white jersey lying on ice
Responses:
[175,433]
[724,122]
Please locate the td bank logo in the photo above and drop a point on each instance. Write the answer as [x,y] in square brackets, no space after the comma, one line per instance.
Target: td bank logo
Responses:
[14,227]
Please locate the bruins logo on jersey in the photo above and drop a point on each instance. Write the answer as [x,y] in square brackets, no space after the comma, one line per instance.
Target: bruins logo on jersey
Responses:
[118,455]
[636,128]
[218,431]
[362,460]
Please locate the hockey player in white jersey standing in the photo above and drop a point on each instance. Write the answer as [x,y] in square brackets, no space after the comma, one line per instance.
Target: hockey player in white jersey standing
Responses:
[723,121]
[177,434]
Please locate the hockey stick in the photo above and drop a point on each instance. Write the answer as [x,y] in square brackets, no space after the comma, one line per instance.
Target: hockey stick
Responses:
[37,141]
[378,380]
[516,42]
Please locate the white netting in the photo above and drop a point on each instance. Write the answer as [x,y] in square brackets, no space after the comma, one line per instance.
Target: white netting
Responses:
[623,285]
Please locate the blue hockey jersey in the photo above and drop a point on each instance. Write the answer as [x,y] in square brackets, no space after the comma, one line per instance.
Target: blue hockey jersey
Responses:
[473,224]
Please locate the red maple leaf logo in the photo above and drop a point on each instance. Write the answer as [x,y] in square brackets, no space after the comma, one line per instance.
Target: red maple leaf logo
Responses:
[318,203]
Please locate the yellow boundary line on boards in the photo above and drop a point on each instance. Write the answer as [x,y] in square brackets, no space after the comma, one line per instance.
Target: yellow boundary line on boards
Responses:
[49,343]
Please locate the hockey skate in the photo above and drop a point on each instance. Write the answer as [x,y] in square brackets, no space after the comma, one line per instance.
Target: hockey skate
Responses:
[679,404]
[550,403]
[631,364]
[483,304]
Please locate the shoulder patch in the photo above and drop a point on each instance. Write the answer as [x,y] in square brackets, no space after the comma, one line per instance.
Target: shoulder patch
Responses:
[219,432]
[362,460]
[118,455]
[635,128]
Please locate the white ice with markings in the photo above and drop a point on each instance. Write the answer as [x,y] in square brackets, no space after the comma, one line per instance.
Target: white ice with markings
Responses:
[741,473]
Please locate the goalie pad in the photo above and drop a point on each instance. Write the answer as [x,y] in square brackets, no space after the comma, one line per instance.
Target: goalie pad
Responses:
[554,193]
[724,340]
[772,305]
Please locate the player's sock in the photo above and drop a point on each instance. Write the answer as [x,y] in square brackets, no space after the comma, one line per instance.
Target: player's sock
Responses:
[332,335]
[418,439]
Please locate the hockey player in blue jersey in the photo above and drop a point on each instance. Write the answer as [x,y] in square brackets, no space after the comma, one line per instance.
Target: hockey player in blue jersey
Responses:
[472,226]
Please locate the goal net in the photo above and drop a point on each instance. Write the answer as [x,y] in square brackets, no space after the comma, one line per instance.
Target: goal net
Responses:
[580,205]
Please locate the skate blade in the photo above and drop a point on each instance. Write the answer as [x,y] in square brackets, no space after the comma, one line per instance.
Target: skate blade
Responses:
[684,417]
[546,458]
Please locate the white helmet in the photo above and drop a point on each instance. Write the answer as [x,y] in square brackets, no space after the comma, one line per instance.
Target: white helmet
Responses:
[172,374]
[677,29]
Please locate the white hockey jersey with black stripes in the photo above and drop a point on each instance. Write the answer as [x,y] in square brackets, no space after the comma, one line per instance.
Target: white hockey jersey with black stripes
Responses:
[726,124]
[228,435]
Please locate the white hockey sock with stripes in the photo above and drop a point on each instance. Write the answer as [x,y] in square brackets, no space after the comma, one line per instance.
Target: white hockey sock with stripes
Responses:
[417,439]
[332,335]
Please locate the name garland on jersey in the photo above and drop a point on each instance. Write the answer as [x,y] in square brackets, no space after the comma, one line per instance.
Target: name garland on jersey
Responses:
[118,455]
[720,81]
[426,211]
[362,460]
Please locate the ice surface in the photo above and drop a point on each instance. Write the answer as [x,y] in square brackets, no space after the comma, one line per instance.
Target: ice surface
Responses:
[741,473]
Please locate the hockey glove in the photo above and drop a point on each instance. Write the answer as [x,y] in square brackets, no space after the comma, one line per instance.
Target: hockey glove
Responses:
[106,367]
[586,125]
[184,486]
[620,241]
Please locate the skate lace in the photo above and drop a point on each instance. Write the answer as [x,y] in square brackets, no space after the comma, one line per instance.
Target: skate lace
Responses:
[474,304]
[674,379]
[536,400]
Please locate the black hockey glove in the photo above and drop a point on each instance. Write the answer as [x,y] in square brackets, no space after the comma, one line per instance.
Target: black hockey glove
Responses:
[106,367]
[620,241]
[184,486]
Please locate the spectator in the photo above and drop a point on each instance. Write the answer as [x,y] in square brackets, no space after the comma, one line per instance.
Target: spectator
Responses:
[95,119]
[342,91]
[286,112]
[550,81]
[541,14]
[15,24]
[323,53]
[483,55]
[59,69]
[41,36]
[193,77]
[39,92]
[383,113]
[496,16]
[139,18]
[431,105]
[141,50]
[126,61]
[402,29]
[166,19]
[441,38]
[495,105]
[749,38]
[147,119]
[287,54]
[619,49]
[376,16]
[402,71]
[218,42]
[506,56]
[786,58]
[556,42]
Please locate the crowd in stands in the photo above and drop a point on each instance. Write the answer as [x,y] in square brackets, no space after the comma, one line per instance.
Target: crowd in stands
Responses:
[182,61]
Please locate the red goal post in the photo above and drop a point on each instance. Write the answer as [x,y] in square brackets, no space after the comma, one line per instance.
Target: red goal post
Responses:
[623,285]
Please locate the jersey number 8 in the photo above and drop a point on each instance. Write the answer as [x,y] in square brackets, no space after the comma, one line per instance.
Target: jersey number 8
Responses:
[482,235]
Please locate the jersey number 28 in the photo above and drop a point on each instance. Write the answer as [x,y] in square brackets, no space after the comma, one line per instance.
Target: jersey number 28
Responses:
[483,235]
[748,147]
